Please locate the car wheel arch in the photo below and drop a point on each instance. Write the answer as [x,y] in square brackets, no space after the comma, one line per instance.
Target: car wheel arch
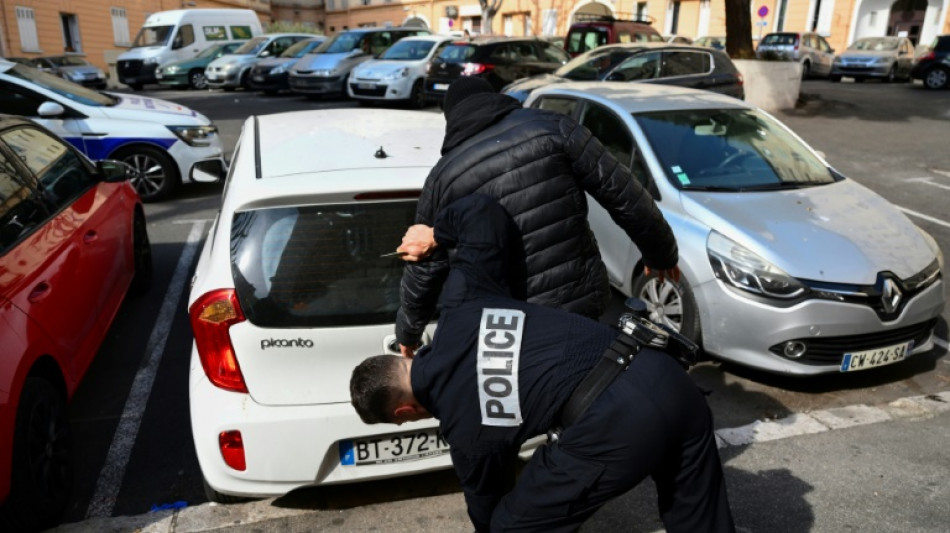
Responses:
[176,178]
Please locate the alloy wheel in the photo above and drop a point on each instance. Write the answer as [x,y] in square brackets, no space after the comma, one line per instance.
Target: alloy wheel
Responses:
[150,176]
[197,80]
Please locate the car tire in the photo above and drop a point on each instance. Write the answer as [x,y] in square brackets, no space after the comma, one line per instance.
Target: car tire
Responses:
[936,78]
[670,303]
[891,75]
[417,97]
[270,92]
[197,80]
[366,103]
[834,78]
[217,497]
[142,257]
[344,94]
[806,70]
[156,173]
[136,86]
[858,80]
[41,470]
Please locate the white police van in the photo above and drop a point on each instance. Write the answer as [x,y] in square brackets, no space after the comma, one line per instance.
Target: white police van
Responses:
[161,139]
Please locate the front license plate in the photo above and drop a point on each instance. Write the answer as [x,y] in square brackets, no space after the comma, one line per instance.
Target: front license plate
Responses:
[158,75]
[876,357]
[393,448]
[367,86]
[440,86]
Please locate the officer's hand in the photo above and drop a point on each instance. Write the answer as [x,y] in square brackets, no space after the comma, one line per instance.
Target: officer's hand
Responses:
[661,275]
[407,351]
[417,243]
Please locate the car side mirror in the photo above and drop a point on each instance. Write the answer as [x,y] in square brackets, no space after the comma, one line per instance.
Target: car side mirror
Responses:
[207,171]
[113,171]
[265,53]
[50,109]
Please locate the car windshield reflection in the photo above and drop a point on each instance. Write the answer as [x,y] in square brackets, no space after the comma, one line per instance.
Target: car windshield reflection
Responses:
[730,150]
[73,91]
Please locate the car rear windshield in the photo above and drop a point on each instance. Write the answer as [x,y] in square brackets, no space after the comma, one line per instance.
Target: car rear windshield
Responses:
[68,61]
[730,150]
[457,53]
[781,39]
[319,266]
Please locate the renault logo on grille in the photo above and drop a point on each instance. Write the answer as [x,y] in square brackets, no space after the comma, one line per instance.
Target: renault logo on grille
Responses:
[891,296]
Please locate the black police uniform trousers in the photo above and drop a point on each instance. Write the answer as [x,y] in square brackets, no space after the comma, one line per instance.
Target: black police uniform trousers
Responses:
[651,421]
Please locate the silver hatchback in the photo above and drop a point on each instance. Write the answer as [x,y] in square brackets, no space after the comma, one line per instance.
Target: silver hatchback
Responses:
[788,266]
[810,49]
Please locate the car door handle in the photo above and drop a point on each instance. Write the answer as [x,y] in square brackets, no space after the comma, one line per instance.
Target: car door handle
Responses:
[90,236]
[40,292]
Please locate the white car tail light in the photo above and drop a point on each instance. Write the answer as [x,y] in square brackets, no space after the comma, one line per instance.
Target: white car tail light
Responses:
[211,317]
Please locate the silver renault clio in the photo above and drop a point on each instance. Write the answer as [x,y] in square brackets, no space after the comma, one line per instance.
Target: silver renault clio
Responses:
[788,266]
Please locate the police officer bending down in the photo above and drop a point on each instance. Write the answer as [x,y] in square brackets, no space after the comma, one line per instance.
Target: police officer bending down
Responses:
[498,372]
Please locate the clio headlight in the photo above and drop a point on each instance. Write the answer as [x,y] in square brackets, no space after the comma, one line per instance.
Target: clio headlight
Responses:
[739,267]
[195,135]
[396,74]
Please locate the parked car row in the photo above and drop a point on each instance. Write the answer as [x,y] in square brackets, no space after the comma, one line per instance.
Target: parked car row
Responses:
[715,165]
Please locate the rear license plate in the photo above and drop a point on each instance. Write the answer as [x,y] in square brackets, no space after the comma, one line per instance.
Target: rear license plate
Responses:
[367,86]
[440,86]
[393,448]
[876,357]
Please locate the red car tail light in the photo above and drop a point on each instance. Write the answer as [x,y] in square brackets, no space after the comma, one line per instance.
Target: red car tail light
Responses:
[232,449]
[929,56]
[741,79]
[473,69]
[211,317]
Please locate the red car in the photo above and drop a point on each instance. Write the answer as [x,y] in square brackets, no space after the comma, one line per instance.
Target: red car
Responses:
[73,242]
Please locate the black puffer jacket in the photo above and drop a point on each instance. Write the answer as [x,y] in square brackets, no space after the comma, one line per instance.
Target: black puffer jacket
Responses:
[538,165]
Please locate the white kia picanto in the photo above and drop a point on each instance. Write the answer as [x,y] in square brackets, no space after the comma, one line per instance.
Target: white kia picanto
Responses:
[290,294]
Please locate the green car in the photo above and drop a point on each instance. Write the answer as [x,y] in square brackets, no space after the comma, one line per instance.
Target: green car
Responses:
[191,72]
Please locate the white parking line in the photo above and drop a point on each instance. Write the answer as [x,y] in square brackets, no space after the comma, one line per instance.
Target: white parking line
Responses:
[113,471]
[928,218]
[929,181]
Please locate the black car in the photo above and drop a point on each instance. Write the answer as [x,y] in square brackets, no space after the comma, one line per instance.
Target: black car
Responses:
[272,74]
[500,60]
[682,65]
[934,66]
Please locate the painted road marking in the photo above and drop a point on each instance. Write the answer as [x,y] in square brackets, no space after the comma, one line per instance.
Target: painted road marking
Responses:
[836,418]
[929,181]
[928,218]
[113,471]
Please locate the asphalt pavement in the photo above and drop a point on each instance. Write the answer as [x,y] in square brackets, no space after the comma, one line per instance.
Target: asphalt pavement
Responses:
[856,468]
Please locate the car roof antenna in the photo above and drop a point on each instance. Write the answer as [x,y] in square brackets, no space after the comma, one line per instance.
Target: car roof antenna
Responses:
[381,154]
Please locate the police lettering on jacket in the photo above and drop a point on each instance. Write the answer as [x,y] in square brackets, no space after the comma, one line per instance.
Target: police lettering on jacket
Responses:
[499,349]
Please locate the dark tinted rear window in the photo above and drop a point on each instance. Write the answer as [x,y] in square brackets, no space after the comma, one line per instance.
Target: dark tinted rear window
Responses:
[781,39]
[584,39]
[458,53]
[319,266]
[942,43]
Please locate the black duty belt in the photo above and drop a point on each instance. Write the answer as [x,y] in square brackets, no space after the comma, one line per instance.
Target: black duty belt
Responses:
[636,332]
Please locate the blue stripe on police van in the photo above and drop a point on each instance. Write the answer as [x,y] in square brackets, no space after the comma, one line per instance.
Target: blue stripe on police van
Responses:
[347,457]
[96,149]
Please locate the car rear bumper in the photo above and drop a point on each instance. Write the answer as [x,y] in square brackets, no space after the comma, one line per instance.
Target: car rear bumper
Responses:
[738,330]
[286,447]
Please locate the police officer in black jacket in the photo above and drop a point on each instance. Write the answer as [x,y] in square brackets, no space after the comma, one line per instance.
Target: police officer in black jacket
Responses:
[499,371]
[538,164]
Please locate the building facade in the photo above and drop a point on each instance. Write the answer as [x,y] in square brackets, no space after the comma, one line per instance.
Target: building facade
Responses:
[102,29]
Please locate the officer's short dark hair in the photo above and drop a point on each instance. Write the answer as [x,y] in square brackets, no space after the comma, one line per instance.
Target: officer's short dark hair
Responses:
[374,388]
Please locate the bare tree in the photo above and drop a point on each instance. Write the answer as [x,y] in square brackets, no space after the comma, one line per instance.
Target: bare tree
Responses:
[489,8]
[739,29]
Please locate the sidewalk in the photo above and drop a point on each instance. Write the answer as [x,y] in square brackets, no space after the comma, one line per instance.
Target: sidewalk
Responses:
[860,468]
